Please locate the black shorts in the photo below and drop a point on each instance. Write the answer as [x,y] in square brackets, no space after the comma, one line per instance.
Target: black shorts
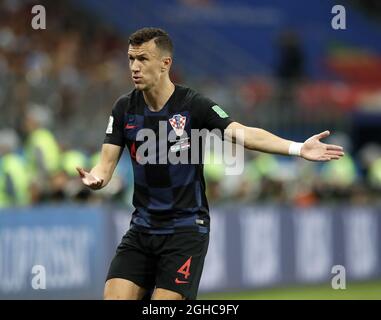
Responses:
[170,261]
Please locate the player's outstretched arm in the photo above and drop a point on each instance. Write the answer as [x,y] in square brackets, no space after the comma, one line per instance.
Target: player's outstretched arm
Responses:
[261,140]
[101,174]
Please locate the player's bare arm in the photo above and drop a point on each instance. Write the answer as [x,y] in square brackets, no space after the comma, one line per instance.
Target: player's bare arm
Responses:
[101,174]
[261,140]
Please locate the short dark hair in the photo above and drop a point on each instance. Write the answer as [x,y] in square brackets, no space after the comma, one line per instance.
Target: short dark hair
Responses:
[162,39]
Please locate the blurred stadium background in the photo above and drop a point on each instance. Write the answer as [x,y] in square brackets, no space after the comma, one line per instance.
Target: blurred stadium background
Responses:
[277,229]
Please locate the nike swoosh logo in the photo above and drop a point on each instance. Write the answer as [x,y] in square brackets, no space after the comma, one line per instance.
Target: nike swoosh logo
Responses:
[128,126]
[180,281]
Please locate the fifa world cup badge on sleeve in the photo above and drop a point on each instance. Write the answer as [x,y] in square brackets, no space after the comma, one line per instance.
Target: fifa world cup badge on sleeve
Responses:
[109,126]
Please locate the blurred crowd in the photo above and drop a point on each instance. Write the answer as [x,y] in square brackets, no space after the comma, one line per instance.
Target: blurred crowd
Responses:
[289,181]
[75,69]
[57,89]
[53,83]
[40,171]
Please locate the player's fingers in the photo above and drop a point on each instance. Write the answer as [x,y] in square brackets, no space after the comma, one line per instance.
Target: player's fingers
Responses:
[96,184]
[334,147]
[92,185]
[323,135]
[335,153]
[81,172]
[328,158]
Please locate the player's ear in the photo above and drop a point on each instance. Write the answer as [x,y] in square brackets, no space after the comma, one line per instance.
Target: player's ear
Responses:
[166,64]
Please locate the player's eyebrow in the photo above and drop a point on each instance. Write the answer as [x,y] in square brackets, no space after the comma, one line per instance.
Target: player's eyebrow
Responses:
[143,55]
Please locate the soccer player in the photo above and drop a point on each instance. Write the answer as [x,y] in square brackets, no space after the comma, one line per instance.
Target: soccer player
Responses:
[165,247]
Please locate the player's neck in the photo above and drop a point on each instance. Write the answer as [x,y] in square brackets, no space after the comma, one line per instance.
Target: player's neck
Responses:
[157,97]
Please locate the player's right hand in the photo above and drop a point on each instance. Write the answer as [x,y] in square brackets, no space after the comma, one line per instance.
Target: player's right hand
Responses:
[90,180]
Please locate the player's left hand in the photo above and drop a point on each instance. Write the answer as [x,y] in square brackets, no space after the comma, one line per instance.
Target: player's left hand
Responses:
[315,150]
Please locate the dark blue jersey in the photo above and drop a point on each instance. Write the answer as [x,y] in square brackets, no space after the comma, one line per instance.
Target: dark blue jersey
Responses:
[168,198]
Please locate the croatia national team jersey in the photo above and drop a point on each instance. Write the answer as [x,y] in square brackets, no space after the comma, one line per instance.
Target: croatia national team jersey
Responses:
[169,197]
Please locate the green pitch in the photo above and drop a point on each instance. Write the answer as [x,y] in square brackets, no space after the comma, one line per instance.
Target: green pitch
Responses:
[353,291]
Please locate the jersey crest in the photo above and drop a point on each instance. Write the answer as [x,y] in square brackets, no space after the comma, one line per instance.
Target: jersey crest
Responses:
[178,124]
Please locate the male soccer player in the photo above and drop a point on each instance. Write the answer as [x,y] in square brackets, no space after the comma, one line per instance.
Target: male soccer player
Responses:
[165,247]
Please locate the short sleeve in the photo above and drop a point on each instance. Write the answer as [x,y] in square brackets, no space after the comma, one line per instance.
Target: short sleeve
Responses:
[209,114]
[115,130]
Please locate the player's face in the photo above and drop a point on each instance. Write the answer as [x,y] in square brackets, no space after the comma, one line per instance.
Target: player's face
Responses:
[148,65]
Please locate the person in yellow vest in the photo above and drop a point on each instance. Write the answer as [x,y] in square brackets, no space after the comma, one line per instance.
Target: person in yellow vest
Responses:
[72,158]
[214,171]
[94,159]
[14,182]
[374,174]
[341,173]
[338,178]
[370,156]
[42,151]
[64,185]
[245,187]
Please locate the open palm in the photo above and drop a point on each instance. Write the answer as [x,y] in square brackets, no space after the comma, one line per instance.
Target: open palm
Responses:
[90,180]
[315,150]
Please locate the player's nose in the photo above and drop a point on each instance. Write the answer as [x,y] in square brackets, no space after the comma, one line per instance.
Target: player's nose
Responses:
[135,67]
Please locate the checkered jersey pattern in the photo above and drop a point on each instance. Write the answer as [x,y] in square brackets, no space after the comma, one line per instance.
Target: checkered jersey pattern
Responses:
[177,121]
[168,198]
